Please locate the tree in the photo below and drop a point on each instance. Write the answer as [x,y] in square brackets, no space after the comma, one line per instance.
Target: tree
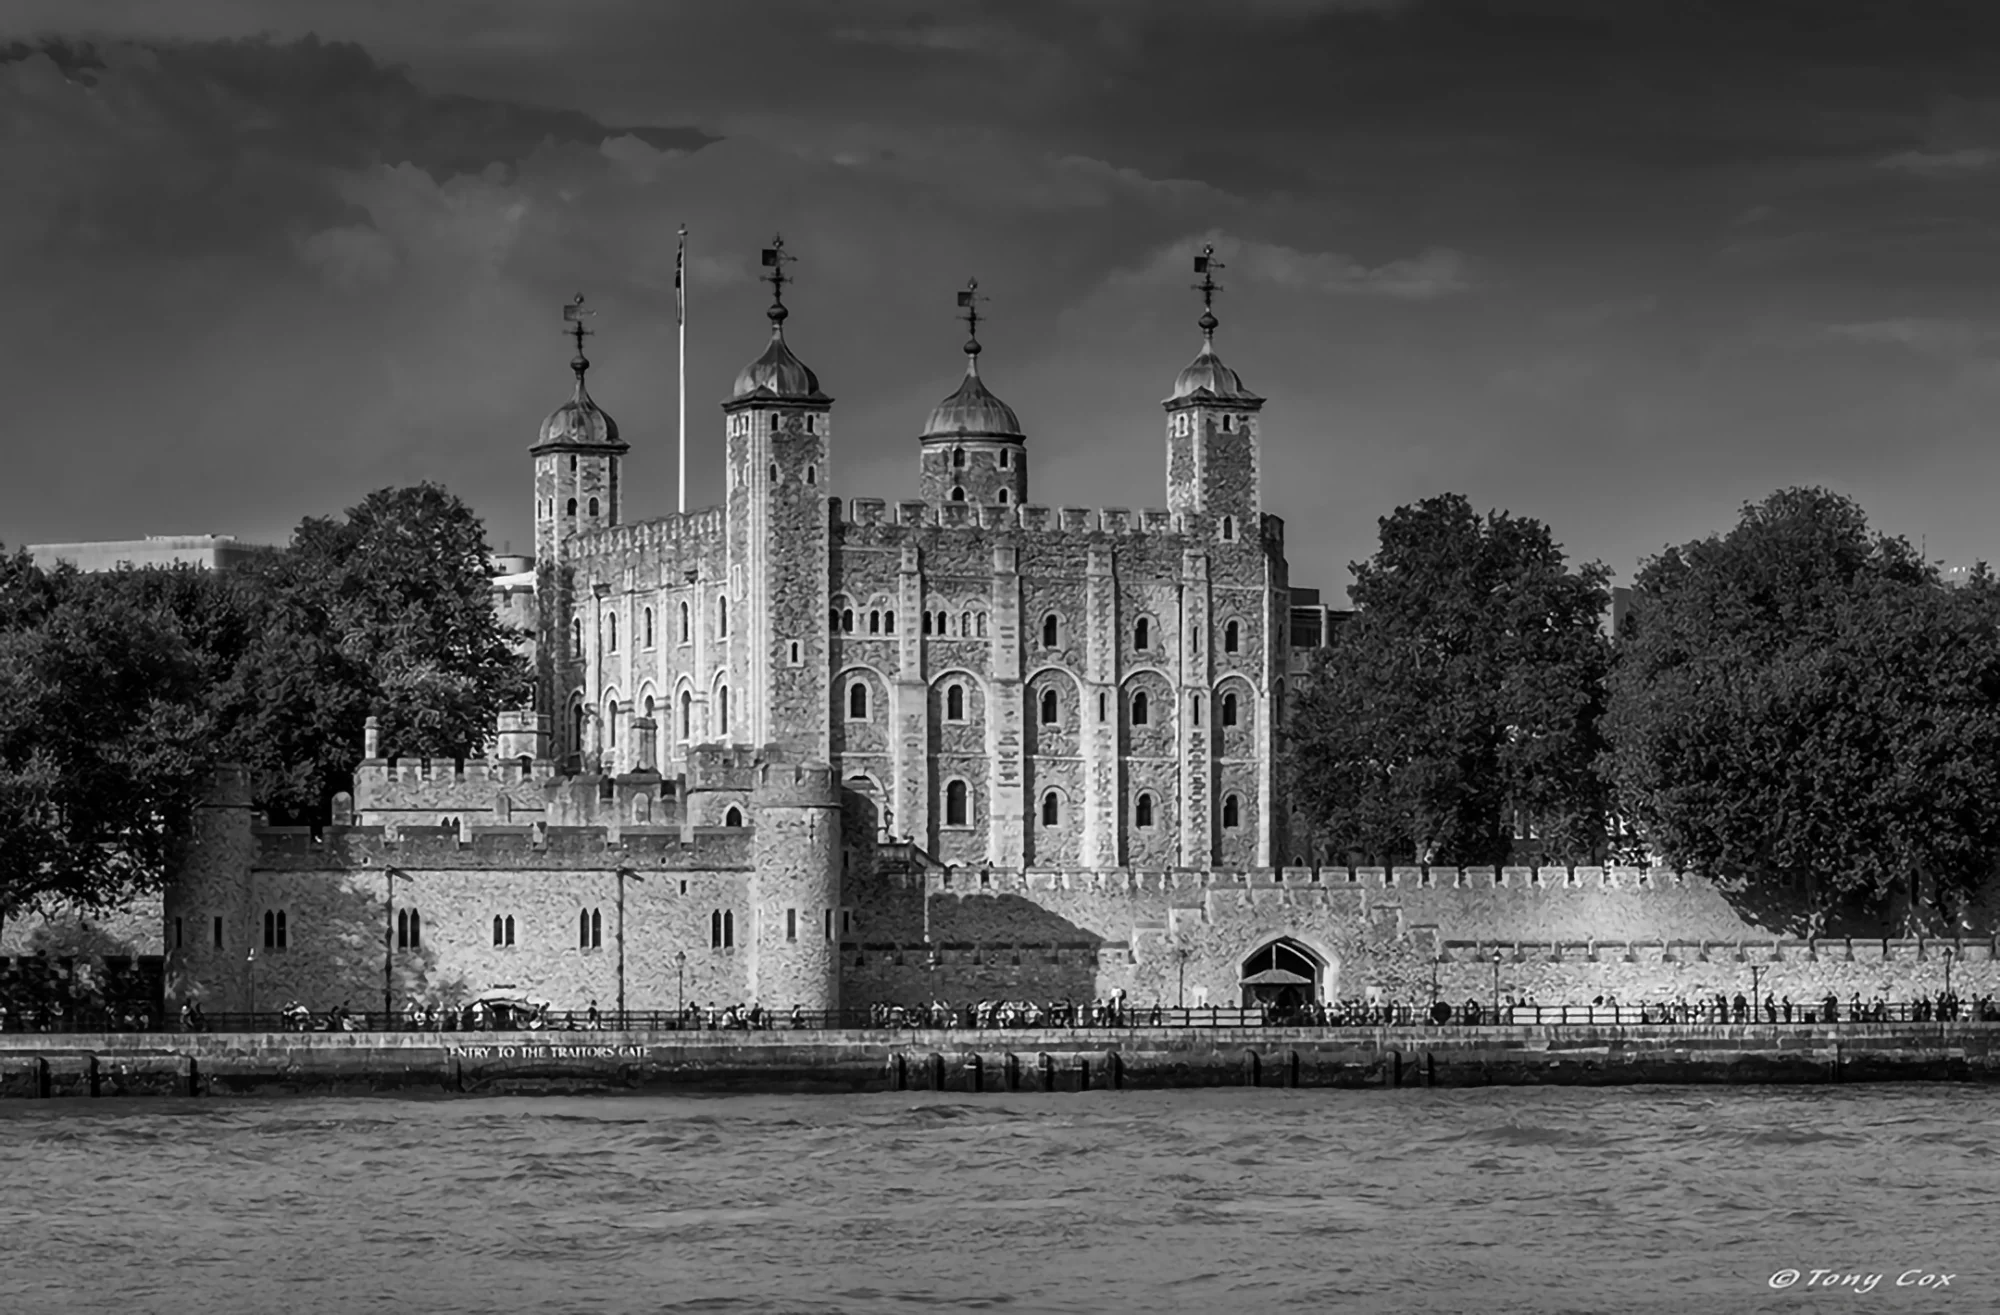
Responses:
[1803,698]
[1466,686]
[107,738]
[385,612]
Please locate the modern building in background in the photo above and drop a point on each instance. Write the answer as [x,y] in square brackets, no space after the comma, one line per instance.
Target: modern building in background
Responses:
[212,552]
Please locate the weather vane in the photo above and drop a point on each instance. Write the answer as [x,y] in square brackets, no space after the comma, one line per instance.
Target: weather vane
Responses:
[1205,265]
[573,315]
[968,301]
[774,260]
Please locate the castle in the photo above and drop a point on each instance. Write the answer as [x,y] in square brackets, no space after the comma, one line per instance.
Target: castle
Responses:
[822,752]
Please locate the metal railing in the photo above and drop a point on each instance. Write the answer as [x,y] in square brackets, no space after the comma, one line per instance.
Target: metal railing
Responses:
[1057,1017]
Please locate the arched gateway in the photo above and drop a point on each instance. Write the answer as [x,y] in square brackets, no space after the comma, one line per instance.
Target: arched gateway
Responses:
[1285,975]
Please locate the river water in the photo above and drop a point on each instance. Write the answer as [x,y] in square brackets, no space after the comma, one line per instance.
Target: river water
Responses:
[1492,1200]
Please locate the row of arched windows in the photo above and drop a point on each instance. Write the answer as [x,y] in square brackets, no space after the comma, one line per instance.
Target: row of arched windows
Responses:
[1003,458]
[721,929]
[274,929]
[570,507]
[1050,706]
[999,495]
[957,813]
[647,630]
[409,929]
[971,625]
[880,622]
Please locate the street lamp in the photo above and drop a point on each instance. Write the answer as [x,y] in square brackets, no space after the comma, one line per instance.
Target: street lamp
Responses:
[1435,958]
[250,960]
[389,949]
[1496,986]
[1182,952]
[1947,971]
[623,873]
[680,987]
[1755,1000]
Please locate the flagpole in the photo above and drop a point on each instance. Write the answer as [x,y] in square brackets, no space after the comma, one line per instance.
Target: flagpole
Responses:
[680,289]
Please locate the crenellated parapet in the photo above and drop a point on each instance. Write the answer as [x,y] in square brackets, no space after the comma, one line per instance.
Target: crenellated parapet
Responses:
[796,785]
[1027,518]
[535,848]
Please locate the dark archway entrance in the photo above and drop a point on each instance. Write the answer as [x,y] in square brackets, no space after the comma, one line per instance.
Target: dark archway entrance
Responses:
[1284,975]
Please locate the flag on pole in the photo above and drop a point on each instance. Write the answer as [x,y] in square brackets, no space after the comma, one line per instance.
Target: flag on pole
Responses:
[681,274]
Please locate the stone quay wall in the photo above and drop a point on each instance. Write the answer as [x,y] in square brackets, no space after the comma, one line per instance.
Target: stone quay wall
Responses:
[130,1065]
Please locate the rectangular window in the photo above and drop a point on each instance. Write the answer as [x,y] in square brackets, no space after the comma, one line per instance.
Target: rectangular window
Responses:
[846,921]
[791,924]
[218,933]
[829,925]
[177,933]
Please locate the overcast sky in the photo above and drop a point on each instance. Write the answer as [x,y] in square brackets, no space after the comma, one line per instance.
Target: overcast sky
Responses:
[1620,267]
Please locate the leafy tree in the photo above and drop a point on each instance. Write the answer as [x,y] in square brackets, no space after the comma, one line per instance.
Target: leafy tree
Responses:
[387,612]
[1803,698]
[106,738]
[1466,685]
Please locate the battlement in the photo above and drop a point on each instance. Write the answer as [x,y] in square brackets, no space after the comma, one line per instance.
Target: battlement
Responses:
[534,848]
[1028,517]
[797,785]
[722,767]
[669,531]
[964,880]
[477,773]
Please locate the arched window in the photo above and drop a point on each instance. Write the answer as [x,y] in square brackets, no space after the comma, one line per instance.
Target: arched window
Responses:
[687,715]
[510,929]
[715,930]
[722,709]
[576,636]
[958,494]
[1142,811]
[649,627]
[583,929]
[1142,634]
[965,625]
[593,506]
[812,477]
[721,615]
[875,623]
[499,930]
[416,930]
[1228,529]
[1003,496]
[954,703]
[888,623]
[1051,709]
[1051,809]
[649,705]
[734,817]
[402,929]
[728,929]
[686,626]
[576,727]
[1232,812]
[1139,708]
[980,617]
[1228,709]
[572,507]
[774,472]
[857,702]
[1051,631]
[847,620]
[572,463]
[927,623]
[1194,710]
[954,804]
[958,458]
[274,929]
[1229,637]
[611,723]
[611,632]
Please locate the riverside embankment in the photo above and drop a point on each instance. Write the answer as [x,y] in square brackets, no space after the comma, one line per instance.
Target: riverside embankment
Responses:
[43,1065]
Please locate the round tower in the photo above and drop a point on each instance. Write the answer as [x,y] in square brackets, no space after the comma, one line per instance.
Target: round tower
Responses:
[795,888]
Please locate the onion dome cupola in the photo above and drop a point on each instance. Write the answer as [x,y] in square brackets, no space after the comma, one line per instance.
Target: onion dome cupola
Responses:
[973,447]
[580,423]
[777,375]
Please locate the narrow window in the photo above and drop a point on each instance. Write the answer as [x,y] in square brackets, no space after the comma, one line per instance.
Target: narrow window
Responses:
[499,930]
[954,804]
[572,506]
[593,506]
[576,726]
[611,632]
[927,623]
[1051,809]
[965,625]
[1194,707]
[857,702]
[1103,706]
[722,709]
[847,621]
[583,929]
[611,723]
[1228,529]
[596,930]
[576,636]
[402,929]
[1232,812]
[1003,495]
[687,715]
[1139,708]
[1142,811]
[846,921]
[791,924]
[721,616]
[1005,461]
[954,703]
[685,628]
[812,477]
[416,930]
[1229,710]
[795,652]
[649,627]
[510,929]
[1050,632]
[728,929]
[774,472]
[734,817]
[958,458]
[981,619]
[572,463]
[888,623]
[1142,634]
[177,933]
[958,495]
[1229,637]
[1050,708]
[281,929]
[829,924]
[874,623]
[715,930]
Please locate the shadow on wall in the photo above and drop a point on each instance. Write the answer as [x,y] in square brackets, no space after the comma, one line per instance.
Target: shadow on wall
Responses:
[1002,920]
[1790,911]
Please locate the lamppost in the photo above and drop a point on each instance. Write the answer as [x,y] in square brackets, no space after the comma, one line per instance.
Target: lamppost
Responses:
[1435,958]
[389,950]
[1947,970]
[1755,999]
[680,986]
[1496,985]
[1182,952]
[250,960]
[623,873]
